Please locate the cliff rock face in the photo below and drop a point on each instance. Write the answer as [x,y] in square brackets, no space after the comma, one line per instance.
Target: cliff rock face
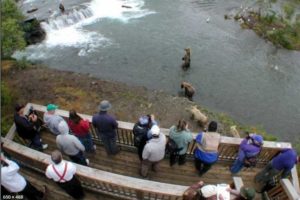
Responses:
[33,31]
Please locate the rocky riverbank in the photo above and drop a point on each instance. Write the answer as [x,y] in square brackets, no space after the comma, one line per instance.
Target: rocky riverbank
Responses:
[82,92]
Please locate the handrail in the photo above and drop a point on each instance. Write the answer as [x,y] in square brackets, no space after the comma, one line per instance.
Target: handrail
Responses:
[289,189]
[123,186]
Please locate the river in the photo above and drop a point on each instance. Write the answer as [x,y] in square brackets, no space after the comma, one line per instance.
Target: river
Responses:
[233,70]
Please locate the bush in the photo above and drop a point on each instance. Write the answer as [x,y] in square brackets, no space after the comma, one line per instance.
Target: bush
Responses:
[6,97]
[288,10]
[12,35]
[23,63]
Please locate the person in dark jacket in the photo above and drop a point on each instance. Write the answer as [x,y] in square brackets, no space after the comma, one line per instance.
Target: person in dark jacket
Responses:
[282,163]
[26,128]
[106,126]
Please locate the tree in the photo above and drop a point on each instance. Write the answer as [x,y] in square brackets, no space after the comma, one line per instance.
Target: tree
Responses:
[12,35]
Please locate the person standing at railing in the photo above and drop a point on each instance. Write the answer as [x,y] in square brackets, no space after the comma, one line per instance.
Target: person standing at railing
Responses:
[106,127]
[70,145]
[51,119]
[182,136]
[206,152]
[26,128]
[141,132]
[154,151]
[249,150]
[63,173]
[15,184]
[81,129]
[282,163]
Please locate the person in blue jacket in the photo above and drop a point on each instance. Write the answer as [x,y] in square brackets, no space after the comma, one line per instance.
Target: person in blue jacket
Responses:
[204,160]
[250,147]
[282,163]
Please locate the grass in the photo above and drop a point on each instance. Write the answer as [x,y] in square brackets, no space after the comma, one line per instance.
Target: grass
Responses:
[275,29]
[226,121]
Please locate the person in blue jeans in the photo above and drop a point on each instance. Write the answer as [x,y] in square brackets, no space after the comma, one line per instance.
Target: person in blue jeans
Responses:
[250,147]
[204,160]
[106,127]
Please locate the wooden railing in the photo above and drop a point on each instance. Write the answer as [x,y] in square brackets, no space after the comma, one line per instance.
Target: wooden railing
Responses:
[227,150]
[284,190]
[132,188]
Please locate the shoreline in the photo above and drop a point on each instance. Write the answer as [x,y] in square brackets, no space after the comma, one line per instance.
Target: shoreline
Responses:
[71,90]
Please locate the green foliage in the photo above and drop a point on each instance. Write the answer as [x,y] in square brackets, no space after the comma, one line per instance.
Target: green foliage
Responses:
[9,9]
[6,97]
[23,63]
[6,123]
[288,10]
[12,35]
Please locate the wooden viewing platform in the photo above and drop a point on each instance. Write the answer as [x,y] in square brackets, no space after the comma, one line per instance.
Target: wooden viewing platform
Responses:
[117,177]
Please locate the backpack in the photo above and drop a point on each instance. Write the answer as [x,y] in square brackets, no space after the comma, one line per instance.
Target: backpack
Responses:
[139,132]
[172,147]
[210,142]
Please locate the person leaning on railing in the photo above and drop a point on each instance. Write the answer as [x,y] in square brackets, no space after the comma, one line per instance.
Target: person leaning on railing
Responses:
[81,129]
[63,173]
[182,136]
[51,119]
[154,151]
[26,127]
[249,150]
[206,152]
[106,128]
[282,163]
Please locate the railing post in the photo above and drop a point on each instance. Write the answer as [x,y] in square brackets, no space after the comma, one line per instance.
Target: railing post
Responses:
[289,189]
[139,194]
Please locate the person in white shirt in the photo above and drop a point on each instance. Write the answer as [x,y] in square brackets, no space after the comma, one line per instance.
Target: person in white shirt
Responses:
[63,173]
[13,182]
[154,151]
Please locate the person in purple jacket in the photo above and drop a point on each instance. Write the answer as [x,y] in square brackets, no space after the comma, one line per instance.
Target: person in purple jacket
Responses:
[106,126]
[249,149]
[281,163]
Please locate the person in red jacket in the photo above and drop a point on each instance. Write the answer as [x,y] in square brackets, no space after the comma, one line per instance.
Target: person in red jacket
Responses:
[81,129]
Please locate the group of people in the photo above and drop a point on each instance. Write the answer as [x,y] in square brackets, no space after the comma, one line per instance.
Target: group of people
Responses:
[73,139]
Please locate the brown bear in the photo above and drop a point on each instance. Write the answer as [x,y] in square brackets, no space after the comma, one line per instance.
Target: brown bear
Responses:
[189,90]
[198,116]
[186,59]
[61,7]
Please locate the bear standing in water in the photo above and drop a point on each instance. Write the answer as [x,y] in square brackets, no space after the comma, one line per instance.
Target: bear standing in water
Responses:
[189,90]
[186,59]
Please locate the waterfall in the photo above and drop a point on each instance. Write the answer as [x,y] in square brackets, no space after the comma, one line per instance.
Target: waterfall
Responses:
[68,18]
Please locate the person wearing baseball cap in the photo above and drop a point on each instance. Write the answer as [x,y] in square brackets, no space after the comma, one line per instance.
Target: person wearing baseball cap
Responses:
[51,119]
[154,151]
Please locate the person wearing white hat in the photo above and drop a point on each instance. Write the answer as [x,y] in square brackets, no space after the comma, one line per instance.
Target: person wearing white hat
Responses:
[154,151]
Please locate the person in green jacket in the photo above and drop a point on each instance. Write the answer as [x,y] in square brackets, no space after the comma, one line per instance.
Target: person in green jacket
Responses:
[182,136]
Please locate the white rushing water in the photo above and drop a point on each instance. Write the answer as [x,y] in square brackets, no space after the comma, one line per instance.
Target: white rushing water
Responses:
[69,29]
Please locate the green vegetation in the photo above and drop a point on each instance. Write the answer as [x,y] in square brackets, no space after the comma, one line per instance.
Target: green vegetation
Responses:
[12,35]
[282,30]
[289,10]
[6,102]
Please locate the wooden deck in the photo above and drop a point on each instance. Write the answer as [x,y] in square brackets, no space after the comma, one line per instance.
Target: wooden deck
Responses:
[127,163]
[118,176]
